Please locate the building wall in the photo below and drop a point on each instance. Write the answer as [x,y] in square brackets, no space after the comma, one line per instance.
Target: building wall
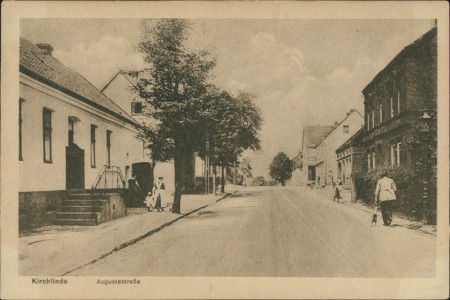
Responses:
[326,154]
[35,175]
[120,91]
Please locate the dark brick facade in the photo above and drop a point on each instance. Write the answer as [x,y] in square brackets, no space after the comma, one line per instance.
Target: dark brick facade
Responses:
[396,99]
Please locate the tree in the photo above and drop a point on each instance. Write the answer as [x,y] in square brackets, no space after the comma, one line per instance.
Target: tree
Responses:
[231,126]
[178,79]
[281,168]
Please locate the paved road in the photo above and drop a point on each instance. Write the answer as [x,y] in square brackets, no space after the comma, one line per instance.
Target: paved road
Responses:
[275,232]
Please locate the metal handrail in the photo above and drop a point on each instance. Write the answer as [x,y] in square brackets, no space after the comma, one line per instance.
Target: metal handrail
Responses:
[101,185]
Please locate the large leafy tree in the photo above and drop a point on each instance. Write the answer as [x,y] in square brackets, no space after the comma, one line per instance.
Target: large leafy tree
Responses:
[231,126]
[281,168]
[178,79]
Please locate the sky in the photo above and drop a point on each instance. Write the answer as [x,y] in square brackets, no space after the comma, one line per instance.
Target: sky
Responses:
[303,72]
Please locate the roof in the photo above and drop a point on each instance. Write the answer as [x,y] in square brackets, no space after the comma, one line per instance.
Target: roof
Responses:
[423,40]
[354,140]
[43,67]
[125,74]
[337,125]
[314,134]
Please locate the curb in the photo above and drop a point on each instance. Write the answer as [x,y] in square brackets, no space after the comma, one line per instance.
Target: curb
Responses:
[145,235]
[402,225]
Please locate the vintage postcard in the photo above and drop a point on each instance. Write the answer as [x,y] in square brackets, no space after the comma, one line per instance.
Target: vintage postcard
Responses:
[262,150]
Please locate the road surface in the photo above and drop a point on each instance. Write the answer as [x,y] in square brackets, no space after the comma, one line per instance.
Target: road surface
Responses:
[285,232]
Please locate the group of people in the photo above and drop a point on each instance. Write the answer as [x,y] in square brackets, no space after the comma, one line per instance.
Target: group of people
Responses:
[384,196]
[157,198]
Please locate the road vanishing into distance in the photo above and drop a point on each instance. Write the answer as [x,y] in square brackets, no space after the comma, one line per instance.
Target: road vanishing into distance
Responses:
[275,232]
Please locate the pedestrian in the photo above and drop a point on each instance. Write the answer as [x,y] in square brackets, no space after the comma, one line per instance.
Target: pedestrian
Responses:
[134,192]
[159,194]
[385,197]
[149,201]
[337,190]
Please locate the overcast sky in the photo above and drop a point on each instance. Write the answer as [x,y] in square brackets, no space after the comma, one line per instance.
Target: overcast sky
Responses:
[304,72]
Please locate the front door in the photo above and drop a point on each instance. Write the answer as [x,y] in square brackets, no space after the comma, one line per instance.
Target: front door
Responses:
[74,167]
[311,173]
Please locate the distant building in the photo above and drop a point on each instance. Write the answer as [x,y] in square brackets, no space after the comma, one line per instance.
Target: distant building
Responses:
[311,136]
[68,132]
[326,166]
[351,160]
[297,167]
[396,100]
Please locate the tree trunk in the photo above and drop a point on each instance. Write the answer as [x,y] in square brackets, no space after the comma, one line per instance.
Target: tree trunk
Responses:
[235,175]
[214,180]
[223,179]
[178,161]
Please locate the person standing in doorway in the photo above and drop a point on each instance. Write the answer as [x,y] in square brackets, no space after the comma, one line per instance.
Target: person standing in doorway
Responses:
[158,193]
[385,197]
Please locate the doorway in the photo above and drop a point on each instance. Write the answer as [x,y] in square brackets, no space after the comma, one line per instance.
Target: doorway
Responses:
[74,167]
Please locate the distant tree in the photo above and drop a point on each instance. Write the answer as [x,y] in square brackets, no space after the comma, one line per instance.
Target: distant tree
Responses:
[271,182]
[281,168]
[178,78]
[259,181]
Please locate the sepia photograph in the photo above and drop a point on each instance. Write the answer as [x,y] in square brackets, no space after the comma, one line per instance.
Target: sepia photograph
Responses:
[199,150]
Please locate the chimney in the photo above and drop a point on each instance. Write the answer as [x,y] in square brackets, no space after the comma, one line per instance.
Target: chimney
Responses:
[47,49]
[335,123]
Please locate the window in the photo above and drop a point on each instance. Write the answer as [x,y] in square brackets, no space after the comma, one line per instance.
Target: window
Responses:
[395,153]
[373,118]
[71,130]
[346,128]
[21,101]
[136,107]
[47,134]
[368,121]
[398,103]
[93,128]
[381,114]
[392,107]
[108,145]
[371,159]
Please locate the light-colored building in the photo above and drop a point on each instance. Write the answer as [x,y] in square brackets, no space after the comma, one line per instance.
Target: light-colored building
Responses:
[311,136]
[68,132]
[326,159]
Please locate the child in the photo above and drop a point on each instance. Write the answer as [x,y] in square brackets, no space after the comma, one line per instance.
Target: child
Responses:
[149,201]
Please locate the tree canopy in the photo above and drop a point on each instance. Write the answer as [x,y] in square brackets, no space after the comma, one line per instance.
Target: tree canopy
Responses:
[281,168]
[191,115]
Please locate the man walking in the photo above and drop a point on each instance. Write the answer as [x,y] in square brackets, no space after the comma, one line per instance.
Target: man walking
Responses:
[385,197]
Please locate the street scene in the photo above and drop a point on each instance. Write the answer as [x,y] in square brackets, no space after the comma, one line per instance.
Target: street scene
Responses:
[228,148]
[275,232]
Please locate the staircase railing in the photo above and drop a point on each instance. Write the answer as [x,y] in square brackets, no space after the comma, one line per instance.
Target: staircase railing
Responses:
[109,178]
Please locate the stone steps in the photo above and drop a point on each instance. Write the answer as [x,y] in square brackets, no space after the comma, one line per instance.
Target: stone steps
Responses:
[82,222]
[78,207]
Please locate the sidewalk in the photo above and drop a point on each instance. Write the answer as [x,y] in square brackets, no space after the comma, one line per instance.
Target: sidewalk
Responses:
[398,220]
[58,250]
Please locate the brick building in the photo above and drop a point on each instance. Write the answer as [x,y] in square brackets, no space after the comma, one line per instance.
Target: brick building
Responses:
[397,98]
